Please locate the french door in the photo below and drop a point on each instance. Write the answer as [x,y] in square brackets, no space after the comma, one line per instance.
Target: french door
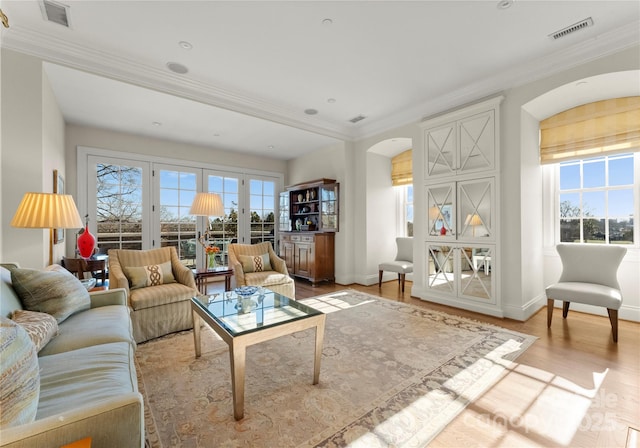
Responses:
[141,204]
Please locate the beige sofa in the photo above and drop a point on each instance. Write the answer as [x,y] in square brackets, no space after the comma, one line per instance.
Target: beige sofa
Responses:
[87,376]
[275,276]
[160,309]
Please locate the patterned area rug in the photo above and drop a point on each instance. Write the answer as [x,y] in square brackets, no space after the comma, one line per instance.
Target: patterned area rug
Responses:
[393,375]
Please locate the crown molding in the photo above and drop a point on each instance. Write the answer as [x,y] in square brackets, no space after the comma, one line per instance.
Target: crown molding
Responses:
[53,49]
[591,49]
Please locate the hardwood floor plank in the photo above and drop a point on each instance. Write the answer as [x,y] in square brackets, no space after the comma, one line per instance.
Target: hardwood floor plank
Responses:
[572,387]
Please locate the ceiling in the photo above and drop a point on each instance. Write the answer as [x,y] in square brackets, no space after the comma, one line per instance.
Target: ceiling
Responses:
[254,68]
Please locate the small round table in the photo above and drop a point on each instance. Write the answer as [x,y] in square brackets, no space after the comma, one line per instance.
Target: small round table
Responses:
[202,274]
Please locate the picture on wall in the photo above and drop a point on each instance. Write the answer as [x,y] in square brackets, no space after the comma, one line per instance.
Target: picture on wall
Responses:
[58,187]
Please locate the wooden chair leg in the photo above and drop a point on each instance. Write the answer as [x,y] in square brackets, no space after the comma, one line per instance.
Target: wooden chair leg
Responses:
[550,303]
[565,309]
[380,279]
[613,317]
[402,281]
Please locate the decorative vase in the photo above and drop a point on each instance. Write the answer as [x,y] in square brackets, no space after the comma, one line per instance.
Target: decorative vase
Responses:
[211,261]
[443,230]
[86,243]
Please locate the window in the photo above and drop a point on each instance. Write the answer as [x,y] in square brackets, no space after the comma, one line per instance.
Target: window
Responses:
[405,209]
[597,199]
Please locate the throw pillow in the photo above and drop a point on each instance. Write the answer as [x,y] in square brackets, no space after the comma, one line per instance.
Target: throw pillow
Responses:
[255,263]
[19,375]
[152,275]
[41,327]
[58,293]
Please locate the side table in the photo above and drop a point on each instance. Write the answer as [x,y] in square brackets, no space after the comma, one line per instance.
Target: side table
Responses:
[202,274]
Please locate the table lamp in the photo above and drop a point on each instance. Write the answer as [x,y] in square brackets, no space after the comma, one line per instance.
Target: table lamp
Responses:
[47,211]
[474,221]
[206,204]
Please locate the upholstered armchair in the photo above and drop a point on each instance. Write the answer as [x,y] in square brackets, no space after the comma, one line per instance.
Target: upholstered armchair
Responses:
[159,288]
[258,265]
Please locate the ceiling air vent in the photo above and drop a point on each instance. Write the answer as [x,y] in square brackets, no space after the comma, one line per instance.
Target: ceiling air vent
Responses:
[55,12]
[586,23]
[358,118]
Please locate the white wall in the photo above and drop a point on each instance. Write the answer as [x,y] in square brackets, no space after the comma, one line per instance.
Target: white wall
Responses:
[31,136]
[381,216]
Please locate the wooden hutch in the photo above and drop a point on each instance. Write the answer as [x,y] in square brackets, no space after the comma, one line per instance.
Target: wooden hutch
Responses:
[309,217]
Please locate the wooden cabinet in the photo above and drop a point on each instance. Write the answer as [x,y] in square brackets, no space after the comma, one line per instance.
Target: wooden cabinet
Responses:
[309,255]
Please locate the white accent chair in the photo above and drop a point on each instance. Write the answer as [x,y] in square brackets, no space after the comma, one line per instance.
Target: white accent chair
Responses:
[403,264]
[589,276]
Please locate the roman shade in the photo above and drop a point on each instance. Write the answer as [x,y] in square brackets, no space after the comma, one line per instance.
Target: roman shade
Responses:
[402,169]
[603,127]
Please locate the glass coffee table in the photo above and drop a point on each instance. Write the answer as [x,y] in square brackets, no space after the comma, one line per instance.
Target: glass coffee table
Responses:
[246,320]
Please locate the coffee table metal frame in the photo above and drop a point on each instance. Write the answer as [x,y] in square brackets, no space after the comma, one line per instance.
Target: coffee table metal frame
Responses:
[239,343]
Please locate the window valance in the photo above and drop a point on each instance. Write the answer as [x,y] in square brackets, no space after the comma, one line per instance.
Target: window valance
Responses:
[402,168]
[603,127]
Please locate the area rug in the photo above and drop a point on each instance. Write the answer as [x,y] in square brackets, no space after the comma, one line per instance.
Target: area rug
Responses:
[392,375]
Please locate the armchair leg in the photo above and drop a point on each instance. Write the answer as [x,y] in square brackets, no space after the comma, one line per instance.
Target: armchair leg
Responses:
[402,281]
[613,317]
[379,279]
[550,303]
[565,309]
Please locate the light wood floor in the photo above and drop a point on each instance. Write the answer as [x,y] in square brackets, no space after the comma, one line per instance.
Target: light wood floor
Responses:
[573,387]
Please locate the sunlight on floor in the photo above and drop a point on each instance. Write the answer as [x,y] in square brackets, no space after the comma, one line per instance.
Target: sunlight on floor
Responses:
[331,303]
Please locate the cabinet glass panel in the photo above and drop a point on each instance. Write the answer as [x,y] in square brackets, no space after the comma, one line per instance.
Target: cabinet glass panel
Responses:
[440,144]
[477,142]
[441,210]
[329,207]
[474,201]
[440,263]
[284,221]
[475,272]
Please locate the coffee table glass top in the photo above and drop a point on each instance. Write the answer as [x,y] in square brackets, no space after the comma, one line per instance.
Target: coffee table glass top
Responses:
[239,315]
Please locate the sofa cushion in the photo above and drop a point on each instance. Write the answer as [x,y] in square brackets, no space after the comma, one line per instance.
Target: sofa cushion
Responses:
[19,377]
[160,295]
[255,263]
[267,278]
[41,327]
[86,375]
[96,326]
[58,293]
[151,275]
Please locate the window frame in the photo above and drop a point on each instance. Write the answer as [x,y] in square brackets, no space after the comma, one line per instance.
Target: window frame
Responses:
[402,203]
[551,175]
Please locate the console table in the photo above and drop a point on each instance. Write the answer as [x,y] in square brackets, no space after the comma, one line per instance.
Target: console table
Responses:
[202,274]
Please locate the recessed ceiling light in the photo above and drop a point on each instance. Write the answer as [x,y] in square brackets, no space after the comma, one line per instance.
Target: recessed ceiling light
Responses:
[216,135]
[270,147]
[186,45]
[581,83]
[156,123]
[504,4]
[331,100]
[177,68]
[310,111]
[327,22]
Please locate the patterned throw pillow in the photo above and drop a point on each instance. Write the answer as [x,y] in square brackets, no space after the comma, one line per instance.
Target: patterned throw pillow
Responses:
[255,263]
[152,275]
[19,375]
[40,327]
[58,293]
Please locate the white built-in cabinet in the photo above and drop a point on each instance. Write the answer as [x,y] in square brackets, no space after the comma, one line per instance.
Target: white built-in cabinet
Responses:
[461,188]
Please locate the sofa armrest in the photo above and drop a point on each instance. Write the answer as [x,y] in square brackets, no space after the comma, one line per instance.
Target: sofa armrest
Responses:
[183,275]
[116,296]
[279,265]
[238,273]
[115,422]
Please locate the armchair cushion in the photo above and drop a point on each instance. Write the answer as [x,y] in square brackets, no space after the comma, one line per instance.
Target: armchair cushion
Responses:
[255,263]
[151,275]
[41,327]
[54,292]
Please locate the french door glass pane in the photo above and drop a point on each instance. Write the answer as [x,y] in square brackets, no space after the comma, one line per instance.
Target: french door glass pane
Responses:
[119,207]
[224,229]
[177,226]
[262,202]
